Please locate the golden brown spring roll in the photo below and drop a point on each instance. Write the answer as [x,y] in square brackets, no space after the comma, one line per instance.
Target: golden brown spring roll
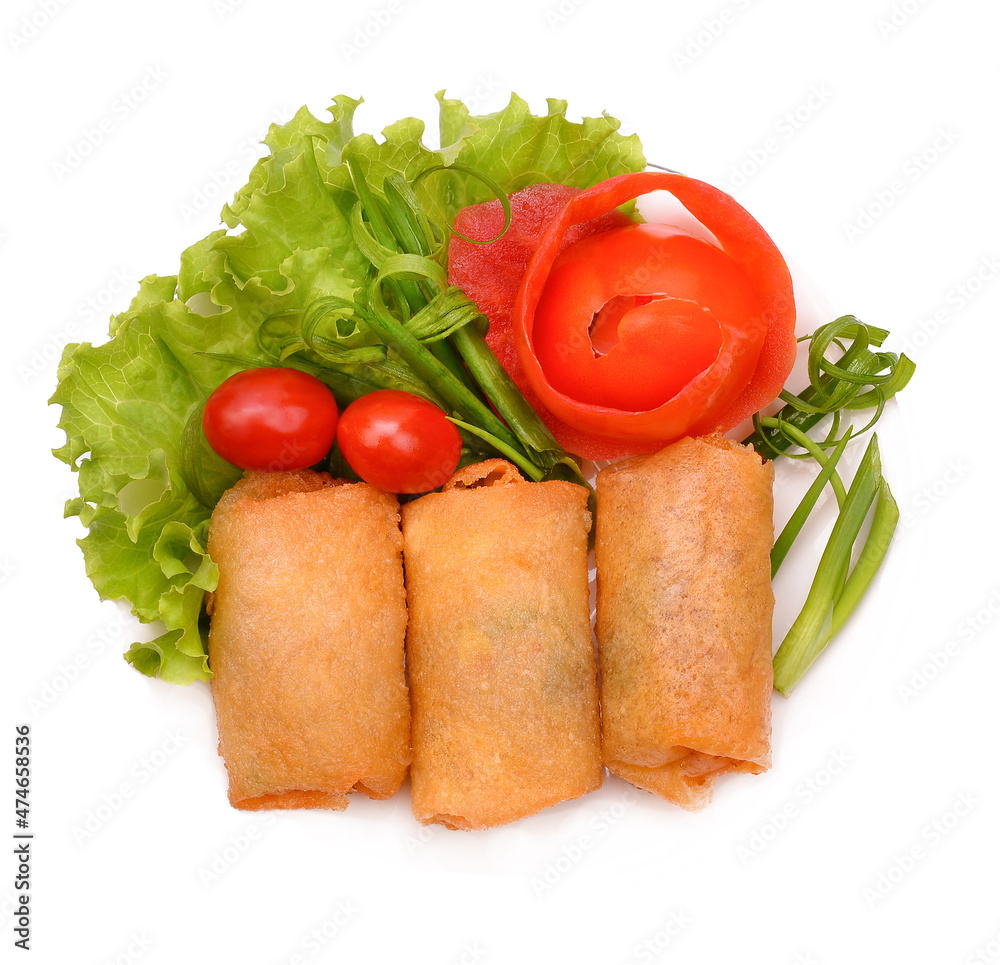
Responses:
[503,675]
[307,641]
[684,608]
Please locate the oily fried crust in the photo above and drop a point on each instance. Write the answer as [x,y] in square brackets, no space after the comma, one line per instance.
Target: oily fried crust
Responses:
[306,642]
[684,606]
[503,676]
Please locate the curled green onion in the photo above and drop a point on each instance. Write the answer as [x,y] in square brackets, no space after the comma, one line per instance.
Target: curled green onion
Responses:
[836,385]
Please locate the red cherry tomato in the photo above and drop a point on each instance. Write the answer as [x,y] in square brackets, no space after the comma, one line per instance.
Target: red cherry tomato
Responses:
[399,442]
[271,420]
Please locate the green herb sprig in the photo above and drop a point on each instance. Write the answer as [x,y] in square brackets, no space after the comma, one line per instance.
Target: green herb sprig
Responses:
[859,379]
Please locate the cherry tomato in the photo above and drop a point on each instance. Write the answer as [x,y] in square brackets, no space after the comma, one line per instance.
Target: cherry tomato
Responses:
[271,420]
[399,442]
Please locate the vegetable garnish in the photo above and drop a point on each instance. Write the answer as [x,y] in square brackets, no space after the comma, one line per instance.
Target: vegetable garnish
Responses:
[271,419]
[338,273]
[126,403]
[720,359]
[835,388]
[420,325]
[399,442]
[603,338]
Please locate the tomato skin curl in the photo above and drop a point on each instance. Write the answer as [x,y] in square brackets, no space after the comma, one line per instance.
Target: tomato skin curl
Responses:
[726,367]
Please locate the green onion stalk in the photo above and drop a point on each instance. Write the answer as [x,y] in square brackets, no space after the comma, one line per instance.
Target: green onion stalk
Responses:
[859,379]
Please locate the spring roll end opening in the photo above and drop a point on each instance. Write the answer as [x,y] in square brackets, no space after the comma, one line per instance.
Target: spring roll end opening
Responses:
[491,472]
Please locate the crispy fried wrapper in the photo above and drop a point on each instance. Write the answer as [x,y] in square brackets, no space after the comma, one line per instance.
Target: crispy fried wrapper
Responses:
[503,675]
[307,641]
[684,607]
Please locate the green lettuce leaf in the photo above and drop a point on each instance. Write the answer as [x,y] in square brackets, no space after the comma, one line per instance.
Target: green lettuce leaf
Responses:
[287,241]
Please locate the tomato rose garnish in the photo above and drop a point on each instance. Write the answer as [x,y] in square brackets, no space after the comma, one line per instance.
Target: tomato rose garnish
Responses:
[633,316]
[645,334]
[628,318]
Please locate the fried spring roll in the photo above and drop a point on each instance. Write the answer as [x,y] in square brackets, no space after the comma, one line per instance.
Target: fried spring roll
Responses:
[306,641]
[503,675]
[684,608]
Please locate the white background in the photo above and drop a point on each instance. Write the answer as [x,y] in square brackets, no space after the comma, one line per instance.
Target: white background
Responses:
[809,114]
